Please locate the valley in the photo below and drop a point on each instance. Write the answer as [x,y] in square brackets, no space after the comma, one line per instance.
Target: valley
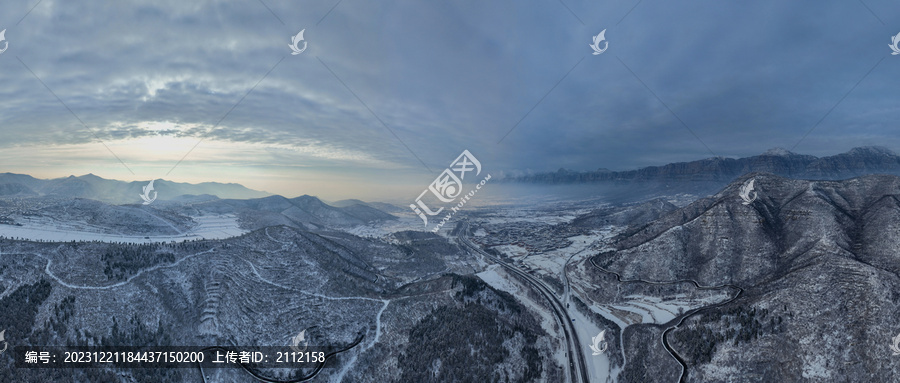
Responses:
[680,291]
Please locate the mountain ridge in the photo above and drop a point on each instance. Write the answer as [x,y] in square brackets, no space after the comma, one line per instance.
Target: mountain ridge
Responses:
[118,192]
[809,258]
[778,161]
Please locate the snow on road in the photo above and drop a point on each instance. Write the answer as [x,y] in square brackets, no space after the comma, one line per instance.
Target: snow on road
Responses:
[49,272]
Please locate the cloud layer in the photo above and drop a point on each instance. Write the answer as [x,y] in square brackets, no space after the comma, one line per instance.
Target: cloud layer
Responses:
[386,87]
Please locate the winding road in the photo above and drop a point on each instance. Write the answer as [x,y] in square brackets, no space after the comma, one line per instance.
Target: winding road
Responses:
[113,286]
[577,368]
[677,321]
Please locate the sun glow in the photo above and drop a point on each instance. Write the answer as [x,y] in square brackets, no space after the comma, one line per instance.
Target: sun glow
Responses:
[180,152]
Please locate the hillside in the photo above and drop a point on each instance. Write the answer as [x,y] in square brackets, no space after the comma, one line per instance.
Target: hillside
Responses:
[817,264]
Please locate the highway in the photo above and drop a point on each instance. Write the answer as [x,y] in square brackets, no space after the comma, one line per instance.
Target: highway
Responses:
[577,368]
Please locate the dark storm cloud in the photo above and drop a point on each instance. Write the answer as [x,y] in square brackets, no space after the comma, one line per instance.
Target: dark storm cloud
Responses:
[447,76]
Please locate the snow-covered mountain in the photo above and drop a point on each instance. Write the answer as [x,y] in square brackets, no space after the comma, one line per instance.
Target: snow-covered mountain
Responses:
[117,192]
[817,266]
[707,176]
[778,161]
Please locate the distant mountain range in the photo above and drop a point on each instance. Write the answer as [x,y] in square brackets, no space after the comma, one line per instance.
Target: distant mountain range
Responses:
[117,206]
[377,205]
[856,162]
[304,211]
[168,218]
[707,176]
[117,192]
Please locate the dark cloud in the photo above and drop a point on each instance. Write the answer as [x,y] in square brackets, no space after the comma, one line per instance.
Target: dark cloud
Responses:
[447,76]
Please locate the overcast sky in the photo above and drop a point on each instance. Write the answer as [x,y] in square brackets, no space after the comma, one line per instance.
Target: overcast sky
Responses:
[388,93]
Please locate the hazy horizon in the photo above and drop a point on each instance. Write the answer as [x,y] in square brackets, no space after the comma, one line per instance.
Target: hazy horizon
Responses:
[386,95]
[399,194]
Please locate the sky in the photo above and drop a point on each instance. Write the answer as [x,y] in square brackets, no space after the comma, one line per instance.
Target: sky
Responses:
[388,93]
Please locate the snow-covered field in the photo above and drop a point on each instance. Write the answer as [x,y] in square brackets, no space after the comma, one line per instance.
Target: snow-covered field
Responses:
[655,310]
[554,261]
[658,311]
[511,251]
[381,229]
[209,227]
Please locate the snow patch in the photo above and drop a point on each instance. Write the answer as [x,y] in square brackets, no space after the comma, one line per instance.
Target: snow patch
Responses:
[492,276]
[208,227]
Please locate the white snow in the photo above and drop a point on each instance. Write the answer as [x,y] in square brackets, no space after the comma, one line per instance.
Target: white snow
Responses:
[492,276]
[597,365]
[382,229]
[815,369]
[658,311]
[511,250]
[553,261]
[209,227]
